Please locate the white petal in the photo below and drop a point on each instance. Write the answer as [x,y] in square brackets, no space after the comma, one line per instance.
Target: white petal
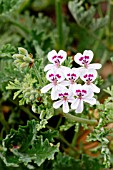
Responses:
[49,67]
[54,93]
[61,87]
[95,88]
[51,54]
[63,54]
[57,104]
[88,53]
[87,72]
[80,107]
[46,88]
[77,57]
[95,66]
[65,83]
[75,103]
[65,107]
[91,101]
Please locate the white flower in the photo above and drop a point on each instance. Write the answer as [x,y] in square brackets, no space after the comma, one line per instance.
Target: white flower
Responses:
[56,80]
[56,59]
[88,77]
[71,75]
[65,97]
[83,94]
[85,59]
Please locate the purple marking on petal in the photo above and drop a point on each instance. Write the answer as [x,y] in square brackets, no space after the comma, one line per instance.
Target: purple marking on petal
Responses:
[57,75]
[73,75]
[84,91]
[60,94]
[78,91]
[86,57]
[85,76]
[68,74]
[65,94]
[60,57]
[51,75]
[81,58]
[54,57]
[90,75]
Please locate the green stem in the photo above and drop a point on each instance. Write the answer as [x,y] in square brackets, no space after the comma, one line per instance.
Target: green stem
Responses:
[58,8]
[74,140]
[59,122]
[109,28]
[38,75]
[79,119]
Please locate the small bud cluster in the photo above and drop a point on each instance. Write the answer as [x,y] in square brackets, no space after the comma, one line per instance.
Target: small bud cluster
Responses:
[23,59]
[63,80]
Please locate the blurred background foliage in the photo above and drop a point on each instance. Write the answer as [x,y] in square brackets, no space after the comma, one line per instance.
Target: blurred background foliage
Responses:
[34,25]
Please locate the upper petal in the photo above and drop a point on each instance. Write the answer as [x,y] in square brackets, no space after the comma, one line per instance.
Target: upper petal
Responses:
[51,55]
[90,74]
[88,53]
[61,56]
[77,59]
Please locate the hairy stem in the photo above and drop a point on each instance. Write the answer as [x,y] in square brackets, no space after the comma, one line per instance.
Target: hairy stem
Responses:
[109,27]
[59,23]
[79,119]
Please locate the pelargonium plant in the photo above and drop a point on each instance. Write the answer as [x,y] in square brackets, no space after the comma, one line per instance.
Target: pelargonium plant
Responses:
[64,80]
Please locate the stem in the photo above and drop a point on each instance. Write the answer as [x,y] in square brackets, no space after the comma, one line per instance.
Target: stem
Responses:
[79,119]
[59,23]
[74,140]
[109,28]
[38,75]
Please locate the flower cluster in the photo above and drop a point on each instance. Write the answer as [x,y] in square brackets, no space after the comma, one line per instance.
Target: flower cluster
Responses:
[63,80]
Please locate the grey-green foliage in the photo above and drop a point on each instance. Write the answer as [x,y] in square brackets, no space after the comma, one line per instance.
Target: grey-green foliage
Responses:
[100,132]
[9,6]
[66,162]
[26,90]
[26,146]
[85,16]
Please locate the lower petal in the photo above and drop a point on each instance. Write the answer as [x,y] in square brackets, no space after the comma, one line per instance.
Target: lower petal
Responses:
[80,107]
[95,88]
[91,101]
[75,103]
[65,107]
[95,66]
[48,67]
[54,93]
[46,88]
[57,104]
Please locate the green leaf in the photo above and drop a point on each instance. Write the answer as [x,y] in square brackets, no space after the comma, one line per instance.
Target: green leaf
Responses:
[26,146]
[84,163]
[82,16]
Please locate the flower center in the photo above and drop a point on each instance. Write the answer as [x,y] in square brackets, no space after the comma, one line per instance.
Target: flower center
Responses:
[54,78]
[89,78]
[85,61]
[56,60]
[63,96]
[80,93]
[71,77]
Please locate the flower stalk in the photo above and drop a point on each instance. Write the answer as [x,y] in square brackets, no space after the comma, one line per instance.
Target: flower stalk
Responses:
[79,119]
[58,9]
